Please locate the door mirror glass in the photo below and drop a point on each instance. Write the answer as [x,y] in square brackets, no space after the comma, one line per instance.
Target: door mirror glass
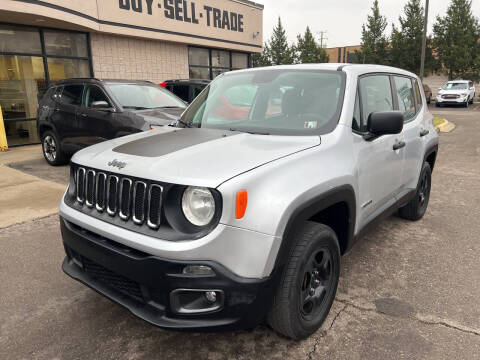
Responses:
[385,122]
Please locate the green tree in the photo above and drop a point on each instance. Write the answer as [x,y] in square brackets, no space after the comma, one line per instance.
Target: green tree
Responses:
[308,50]
[374,41]
[456,41]
[276,51]
[407,41]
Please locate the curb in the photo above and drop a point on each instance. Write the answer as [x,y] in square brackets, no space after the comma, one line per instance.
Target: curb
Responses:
[445,127]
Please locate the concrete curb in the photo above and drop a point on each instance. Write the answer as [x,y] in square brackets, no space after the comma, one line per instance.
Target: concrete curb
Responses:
[445,127]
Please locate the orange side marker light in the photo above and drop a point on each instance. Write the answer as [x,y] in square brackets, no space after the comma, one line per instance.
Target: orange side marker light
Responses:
[241,206]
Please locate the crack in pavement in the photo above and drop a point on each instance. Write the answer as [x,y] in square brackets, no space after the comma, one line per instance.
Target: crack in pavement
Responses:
[427,320]
[323,333]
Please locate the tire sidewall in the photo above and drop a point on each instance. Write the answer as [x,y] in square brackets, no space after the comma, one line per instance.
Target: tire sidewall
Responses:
[325,239]
[425,169]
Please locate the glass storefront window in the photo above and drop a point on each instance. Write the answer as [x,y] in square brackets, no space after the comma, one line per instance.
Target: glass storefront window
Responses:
[220,59]
[198,57]
[18,39]
[21,132]
[22,82]
[62,43]
[60,69]
[24,79]
[218,71]
[199,73]
[239,61]
[204,63]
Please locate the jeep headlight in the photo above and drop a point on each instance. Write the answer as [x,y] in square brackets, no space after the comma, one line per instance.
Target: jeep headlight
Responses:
[198,205]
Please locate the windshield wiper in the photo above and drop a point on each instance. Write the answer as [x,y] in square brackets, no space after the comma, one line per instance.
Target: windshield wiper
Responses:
[251,132]
[136,107]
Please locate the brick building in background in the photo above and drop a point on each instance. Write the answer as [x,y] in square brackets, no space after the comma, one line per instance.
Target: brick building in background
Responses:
[45,41]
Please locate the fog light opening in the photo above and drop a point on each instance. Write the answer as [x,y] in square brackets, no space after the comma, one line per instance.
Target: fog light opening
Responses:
[196,301]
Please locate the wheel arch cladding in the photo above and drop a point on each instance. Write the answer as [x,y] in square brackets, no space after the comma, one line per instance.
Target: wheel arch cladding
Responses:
[335,208]
[44,127]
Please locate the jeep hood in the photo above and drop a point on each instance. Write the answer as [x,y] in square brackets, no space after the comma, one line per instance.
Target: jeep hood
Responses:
[203,157]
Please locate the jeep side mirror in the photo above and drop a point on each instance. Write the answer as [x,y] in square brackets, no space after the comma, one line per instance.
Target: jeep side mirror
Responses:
[101,105]
[384,123]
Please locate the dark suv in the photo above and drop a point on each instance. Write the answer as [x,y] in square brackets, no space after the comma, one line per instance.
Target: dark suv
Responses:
[76,113]
[187,89]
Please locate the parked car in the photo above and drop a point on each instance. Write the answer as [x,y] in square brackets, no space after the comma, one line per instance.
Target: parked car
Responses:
[187,90]
[225,222]
[76,113]
[456,92]
[428,93]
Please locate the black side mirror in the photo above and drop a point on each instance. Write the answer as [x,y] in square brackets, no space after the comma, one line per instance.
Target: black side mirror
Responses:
[385,122]
[101,105]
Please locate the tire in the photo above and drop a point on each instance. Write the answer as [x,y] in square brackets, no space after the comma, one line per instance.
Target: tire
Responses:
[466,104]
[309,283]
[52,151]
[416,208]
[473,99]
[437,104]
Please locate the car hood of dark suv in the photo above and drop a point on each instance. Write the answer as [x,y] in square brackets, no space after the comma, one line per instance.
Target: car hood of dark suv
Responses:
[159,116]
[203,157]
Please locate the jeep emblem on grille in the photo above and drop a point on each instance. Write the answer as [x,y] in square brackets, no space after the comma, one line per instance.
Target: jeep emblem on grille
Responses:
[118,164]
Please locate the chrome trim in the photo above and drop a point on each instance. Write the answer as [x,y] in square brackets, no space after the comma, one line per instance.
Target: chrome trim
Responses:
[134,215]
[79,199]
[89,204]
[110,211]
[149,223]
[98,207]
[120,197]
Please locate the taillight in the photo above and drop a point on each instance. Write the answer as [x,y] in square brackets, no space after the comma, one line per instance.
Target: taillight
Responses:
[163,84]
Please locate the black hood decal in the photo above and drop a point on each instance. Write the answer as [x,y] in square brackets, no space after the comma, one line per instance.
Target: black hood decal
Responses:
[169,142]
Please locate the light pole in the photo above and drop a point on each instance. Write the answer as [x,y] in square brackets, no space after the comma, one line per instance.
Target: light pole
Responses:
[424,41]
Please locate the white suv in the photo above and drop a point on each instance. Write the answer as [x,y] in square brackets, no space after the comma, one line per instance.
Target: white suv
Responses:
[461,92]
[243,211]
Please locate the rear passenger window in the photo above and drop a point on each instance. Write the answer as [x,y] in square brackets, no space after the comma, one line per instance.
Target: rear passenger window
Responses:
[72,95]
[405,97]
[418,94]
[376,94]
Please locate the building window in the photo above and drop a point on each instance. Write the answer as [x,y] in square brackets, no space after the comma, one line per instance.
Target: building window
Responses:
[209,63]
[30,59]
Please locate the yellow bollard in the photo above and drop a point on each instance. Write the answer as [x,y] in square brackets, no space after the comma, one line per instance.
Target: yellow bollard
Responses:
[3,135]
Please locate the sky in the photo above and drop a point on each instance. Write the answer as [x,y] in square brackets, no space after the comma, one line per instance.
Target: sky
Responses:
[341,19]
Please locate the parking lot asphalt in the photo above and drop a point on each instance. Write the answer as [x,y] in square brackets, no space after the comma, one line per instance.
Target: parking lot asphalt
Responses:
[407,290]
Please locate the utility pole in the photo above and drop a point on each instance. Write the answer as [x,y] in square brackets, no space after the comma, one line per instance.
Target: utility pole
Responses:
[424,41]
[323,39]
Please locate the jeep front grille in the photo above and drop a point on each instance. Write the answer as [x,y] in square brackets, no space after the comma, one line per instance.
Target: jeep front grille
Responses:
[129,199]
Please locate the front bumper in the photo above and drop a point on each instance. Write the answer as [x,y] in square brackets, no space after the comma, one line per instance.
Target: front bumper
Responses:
[143,283]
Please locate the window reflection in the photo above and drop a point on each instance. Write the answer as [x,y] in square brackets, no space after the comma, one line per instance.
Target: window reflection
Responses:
[60,69]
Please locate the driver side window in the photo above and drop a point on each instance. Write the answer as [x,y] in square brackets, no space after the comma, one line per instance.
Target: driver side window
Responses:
[94,93]
[376,95]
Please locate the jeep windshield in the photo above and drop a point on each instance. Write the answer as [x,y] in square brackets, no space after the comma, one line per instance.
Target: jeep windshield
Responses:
[144,96]
[270,101]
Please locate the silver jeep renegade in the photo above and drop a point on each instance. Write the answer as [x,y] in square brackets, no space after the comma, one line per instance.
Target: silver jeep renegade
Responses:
[240,213]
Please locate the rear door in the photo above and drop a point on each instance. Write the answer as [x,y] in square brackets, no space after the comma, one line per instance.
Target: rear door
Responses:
[68,99]
[379,165]
[96,125]
[410,103]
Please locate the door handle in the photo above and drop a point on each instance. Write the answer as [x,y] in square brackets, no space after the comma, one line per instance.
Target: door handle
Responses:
[399,145]
[83,115]
[424,132]
[56,109]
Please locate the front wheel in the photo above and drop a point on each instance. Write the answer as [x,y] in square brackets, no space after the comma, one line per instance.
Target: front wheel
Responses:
[309,283]
[416,208]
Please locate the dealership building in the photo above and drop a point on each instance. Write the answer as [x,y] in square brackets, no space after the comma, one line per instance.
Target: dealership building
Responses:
[43,41]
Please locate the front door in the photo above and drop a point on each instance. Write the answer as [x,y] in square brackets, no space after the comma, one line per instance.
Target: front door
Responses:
[96,125]
[379,163]
[67,101]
